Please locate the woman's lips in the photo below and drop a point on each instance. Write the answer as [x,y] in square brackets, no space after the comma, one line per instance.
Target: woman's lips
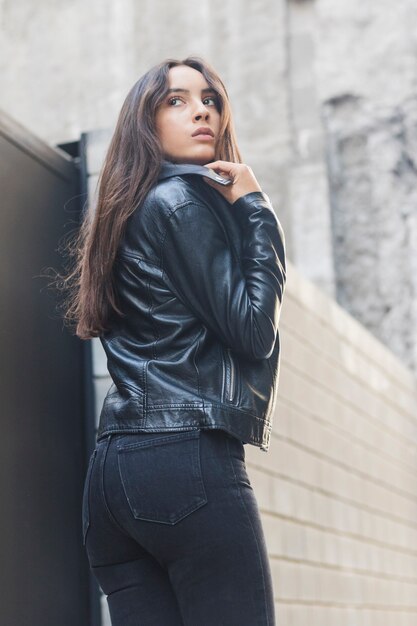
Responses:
[203,130]
[204,137]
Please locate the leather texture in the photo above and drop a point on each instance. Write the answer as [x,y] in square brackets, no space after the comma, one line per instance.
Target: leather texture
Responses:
[201,283]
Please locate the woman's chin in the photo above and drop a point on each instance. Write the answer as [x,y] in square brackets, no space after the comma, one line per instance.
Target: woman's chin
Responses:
[196,159]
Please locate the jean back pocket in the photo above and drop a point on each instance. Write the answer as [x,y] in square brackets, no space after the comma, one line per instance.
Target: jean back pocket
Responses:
[162,477]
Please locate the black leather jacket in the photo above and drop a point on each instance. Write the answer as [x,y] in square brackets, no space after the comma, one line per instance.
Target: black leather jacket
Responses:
[201,282]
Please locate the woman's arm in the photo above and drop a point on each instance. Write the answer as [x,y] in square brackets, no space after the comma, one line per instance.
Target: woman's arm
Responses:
[237,299]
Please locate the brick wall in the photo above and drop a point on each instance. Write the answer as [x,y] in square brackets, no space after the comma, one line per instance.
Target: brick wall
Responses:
[338,489]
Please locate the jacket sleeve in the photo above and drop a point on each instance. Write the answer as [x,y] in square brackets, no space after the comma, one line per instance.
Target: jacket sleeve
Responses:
[238,299]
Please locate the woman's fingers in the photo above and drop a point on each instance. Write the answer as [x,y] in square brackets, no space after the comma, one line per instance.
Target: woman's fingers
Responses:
[218,164]
[225,168]
[243,178]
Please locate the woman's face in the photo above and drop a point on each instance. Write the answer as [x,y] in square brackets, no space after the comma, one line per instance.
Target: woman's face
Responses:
[189,106]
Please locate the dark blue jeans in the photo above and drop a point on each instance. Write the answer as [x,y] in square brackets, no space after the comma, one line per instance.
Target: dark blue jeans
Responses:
[173,533]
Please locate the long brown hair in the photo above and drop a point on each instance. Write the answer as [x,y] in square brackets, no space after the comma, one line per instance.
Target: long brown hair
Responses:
[130,169]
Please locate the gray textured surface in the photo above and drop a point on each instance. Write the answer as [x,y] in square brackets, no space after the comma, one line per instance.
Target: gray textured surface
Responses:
[366,77]
[324,96]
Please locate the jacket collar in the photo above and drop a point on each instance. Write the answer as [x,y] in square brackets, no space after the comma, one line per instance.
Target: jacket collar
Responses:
[169,169]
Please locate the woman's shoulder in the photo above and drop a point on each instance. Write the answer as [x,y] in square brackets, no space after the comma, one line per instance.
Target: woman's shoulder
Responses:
[180,183]
[170,193]
[151,218]
[147,226]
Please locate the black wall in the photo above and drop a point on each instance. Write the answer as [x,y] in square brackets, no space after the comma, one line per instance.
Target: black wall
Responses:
[44,393]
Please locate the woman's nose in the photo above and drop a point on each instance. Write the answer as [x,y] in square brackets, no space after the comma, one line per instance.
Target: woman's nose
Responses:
[201,111]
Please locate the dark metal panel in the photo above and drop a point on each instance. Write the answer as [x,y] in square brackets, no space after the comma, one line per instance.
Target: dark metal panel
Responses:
[55,159]
[44,577]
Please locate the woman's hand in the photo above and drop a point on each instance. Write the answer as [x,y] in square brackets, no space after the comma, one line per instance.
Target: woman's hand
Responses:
[243,178]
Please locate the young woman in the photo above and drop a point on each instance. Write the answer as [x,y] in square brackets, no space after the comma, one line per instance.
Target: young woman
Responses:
[181,273]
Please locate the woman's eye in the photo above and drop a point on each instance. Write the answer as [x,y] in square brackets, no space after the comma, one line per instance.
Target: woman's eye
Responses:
[212,98]
[171,100]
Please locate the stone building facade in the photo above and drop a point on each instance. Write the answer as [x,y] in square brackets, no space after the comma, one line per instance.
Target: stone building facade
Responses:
[324,95]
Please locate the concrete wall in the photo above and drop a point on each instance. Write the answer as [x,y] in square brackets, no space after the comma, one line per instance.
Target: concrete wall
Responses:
[324,96]
[337,489]
[75,76]
[365,75]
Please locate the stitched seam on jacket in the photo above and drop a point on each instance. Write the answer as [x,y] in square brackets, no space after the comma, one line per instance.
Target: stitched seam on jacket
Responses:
[161,429]
[158,407]
[136,257]
[152,320]
[193,203]
[196,367]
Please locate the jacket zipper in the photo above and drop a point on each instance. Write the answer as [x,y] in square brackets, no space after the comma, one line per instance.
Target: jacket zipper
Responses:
[232,376]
